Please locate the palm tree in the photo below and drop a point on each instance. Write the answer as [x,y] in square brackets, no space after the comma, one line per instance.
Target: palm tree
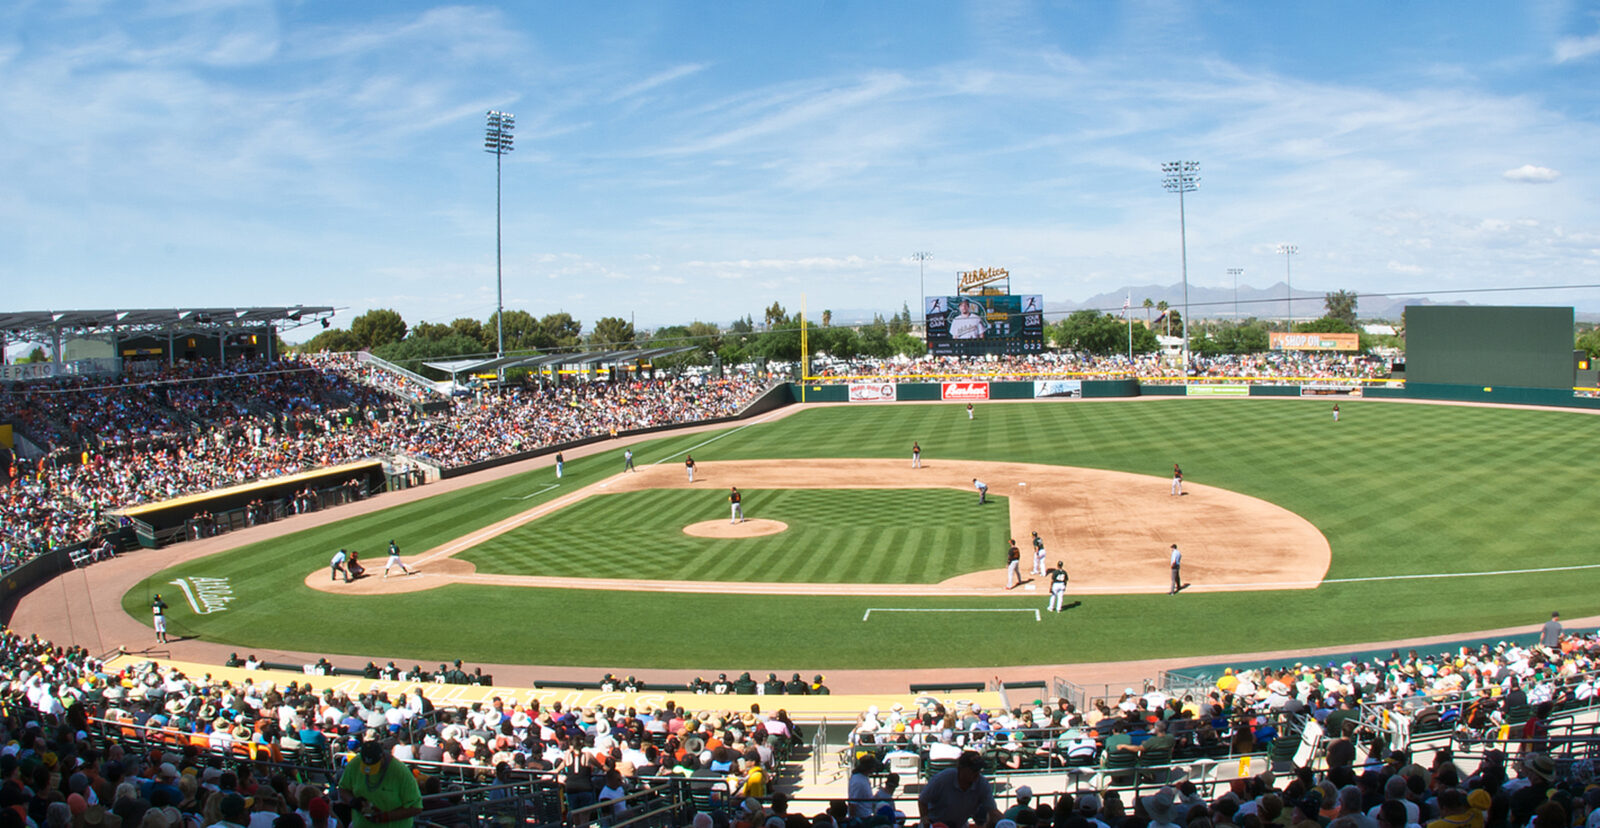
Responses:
[1167,323]
[1148,304]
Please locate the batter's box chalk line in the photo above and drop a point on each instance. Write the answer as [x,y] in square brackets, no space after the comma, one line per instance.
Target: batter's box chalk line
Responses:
[870,610]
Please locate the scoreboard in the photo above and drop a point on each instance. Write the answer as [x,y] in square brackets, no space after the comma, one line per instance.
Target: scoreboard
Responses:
[984,324]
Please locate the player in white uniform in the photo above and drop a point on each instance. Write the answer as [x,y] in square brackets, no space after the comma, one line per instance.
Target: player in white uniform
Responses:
[158,608]
[1013,565]
[394,560]
[688,463]
[1177,480]
[1038,556]
[916,455]
[736,505]
[968,325]
[1058,586]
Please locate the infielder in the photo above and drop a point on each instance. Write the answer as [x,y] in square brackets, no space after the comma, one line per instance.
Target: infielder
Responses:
[337,563]
[1058,586]
[916,455]
[688,464]
[394,561]
[1177,480]
[627,460]
[158,609]
[1177,579]
[983,490]
[560,461]
[1013,565]
[1038,556]
[736,505]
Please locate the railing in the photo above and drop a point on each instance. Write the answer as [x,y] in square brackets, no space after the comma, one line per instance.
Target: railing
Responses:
[46,370]
[411,378]
[1422,717]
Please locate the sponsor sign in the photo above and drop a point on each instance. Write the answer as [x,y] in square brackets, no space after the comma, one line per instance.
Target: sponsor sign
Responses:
[967,391]
[872,392]
[1330,390]
[1218,390]
[1280,341]
[1043,389]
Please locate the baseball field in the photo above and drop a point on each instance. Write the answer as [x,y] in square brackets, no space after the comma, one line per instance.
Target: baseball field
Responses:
[1402,520]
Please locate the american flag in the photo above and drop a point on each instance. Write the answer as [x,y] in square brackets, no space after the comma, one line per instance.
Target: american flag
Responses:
[1126,302]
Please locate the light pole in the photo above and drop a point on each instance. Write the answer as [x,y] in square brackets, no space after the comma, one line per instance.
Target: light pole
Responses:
[1183,177]
[922,257]
[1288,251]
[497,140]
[1234,272]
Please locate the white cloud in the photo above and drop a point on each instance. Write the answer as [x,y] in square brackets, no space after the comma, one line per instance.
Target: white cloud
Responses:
[1576,48]
[1399,267]
[1530,174]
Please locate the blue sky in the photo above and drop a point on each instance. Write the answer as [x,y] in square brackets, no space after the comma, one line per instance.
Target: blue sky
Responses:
[679,161]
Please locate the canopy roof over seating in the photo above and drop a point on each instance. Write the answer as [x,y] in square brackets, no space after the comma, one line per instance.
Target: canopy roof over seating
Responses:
[22,323]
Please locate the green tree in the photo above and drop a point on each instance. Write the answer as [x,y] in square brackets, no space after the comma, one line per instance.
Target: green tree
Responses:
[1148,304]
[1341,305]
[430,330]
[1093,332]
[612,332]
[335,340]
[1325,324]
[469,328]
[1247,336]
[1162,306]
[776,316]
[907,345]
[558,330]
[901,322]
[520,331]
[35,355]
[378,326]
[1589,341]
[827,319]
[412,350]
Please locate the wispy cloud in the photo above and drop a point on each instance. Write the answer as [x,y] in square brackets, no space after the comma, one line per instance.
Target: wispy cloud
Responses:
[659,79]
[1577,48]
[1531,174]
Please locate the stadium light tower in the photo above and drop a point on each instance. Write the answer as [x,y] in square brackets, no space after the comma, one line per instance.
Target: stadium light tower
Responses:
[922,257]
[1288,251]
[1234,272]
[1183,177]
[497,140]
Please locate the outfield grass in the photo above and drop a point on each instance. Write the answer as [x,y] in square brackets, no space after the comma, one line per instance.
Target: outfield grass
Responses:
[1397,489]
[871,536]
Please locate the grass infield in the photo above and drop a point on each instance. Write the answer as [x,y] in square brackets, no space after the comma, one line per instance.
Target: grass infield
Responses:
[917,536]
[1397,489]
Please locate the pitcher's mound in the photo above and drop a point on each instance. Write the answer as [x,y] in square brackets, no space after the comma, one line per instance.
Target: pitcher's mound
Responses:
[753,528]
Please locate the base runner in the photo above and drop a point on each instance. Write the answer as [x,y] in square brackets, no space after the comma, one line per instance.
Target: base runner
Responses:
[1058,586]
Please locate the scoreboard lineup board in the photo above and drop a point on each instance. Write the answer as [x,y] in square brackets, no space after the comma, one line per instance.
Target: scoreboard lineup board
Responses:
[987,324]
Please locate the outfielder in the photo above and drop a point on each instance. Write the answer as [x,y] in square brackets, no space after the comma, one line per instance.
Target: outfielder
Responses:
[969,411]
[1013,565]
[1058,586]
[983,490]
[1177,480]
[560,461]
[1038,556]
[736,505]
[688,464]
[158,609]
[1336,412]
[394,561]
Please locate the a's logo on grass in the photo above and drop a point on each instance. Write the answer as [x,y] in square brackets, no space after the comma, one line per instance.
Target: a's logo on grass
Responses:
[206,595]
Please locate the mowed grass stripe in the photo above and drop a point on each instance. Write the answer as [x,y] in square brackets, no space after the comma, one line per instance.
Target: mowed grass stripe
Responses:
[834,536]
[1393,486]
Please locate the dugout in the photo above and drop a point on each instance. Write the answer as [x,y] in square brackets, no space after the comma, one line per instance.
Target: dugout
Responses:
[157,524]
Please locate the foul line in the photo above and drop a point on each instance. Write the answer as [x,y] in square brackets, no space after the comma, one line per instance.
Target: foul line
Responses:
[1266,585]
[534,494]
[756,421]
[871,610]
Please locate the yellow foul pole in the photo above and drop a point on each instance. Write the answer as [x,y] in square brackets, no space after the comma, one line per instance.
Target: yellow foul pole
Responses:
[805,352]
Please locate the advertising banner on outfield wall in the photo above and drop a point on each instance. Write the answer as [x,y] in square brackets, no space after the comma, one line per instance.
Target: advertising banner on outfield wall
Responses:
[1045,389]
[965,391]
[872,392]
[1280,341]
[1218,390]
[1330,390]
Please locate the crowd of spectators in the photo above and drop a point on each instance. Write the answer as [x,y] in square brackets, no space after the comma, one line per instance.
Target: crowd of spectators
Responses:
[1264,368]
[153,436]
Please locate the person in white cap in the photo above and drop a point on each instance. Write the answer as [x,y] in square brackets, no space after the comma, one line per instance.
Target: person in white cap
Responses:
[1023,811]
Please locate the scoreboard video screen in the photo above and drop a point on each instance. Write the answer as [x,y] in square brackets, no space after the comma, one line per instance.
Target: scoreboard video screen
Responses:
[995,324]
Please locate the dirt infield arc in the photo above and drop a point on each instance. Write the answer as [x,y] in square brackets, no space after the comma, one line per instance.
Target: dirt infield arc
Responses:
[1114,530]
